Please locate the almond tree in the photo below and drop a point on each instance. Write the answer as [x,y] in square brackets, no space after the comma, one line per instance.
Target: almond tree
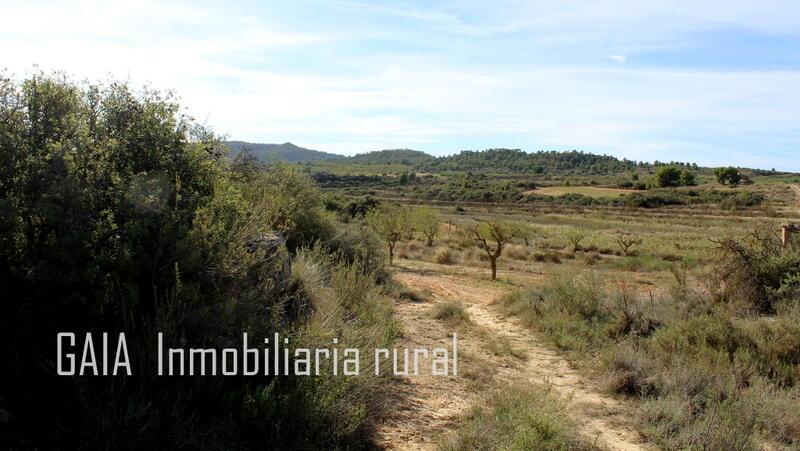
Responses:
[390,222]
[426,221]
[492,235]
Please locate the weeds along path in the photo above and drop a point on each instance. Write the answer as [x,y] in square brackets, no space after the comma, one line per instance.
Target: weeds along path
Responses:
[796,189]
[426,406]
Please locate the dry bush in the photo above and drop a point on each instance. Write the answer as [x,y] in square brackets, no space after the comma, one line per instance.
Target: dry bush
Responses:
[413,294]
[451,312]
[546,257]
[516,418]
[592,259]
[445,256]
[516,252]
[755,274]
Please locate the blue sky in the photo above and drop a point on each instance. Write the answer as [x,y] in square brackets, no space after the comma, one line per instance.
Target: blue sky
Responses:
[712,82]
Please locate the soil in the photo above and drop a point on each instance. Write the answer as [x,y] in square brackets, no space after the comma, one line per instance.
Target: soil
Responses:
[428,407]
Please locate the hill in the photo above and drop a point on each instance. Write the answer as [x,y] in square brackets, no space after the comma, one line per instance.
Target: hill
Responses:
[393,156]
[515,160]
[500,161]
[287,152]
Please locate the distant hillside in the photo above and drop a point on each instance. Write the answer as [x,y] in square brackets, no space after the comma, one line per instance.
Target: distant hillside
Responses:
[287,152]
[393,156]
[505,161]
[492,160]
[515,160]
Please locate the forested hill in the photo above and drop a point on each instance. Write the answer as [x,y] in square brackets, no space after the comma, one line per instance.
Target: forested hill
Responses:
[515,160]
[492,160]
[409,157]
[287,152]
[499,160]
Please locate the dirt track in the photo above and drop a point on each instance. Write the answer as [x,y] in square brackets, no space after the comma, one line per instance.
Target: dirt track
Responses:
[429,406]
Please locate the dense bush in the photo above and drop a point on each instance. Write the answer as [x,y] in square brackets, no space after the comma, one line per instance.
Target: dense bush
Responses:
[757,274]
[119,214]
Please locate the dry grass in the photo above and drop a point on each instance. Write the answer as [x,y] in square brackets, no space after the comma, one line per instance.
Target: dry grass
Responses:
[452,313]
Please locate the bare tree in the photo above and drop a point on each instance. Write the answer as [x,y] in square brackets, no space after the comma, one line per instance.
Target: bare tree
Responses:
[627,240]
[574,237]
[492,235]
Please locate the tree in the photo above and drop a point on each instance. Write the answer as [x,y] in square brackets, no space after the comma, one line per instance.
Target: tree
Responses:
[426,221]
[390,222]
[492,235]
[688,178]
[526,232]
[574,237]
[668,176]
[729,175]
[626,241]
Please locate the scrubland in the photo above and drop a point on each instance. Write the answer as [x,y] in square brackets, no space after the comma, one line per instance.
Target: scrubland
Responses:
[662,319]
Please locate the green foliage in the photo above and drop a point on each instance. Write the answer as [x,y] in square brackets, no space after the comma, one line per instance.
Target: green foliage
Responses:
[118,214]
[390,222]
[396,156]
[728,175]
[426,221]
[671,176]
[668,176]
[688,178]
[517,161]
[288,201]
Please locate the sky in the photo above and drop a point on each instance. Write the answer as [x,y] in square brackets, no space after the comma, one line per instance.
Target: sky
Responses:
[712,82]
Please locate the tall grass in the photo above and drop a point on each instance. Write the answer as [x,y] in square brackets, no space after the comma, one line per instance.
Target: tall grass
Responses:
[521,417]
[706,377]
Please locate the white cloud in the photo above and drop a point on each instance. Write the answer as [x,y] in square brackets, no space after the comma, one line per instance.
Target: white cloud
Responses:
[224,66]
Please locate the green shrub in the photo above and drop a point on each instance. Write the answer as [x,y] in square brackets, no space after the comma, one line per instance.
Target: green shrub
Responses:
[119,214]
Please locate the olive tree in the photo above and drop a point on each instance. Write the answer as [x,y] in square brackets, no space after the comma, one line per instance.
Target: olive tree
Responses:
[492,236]
[390,222]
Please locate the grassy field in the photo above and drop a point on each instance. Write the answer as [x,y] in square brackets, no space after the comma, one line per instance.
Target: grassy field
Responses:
[585,190]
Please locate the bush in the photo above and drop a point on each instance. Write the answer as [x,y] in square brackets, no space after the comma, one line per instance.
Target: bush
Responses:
[757,273]
[550,257]
[451,312]
[118,214]
[518,417]
[705,378]
[445,256]
[643,262]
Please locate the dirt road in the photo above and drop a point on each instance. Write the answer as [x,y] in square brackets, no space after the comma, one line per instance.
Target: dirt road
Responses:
[429,406]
